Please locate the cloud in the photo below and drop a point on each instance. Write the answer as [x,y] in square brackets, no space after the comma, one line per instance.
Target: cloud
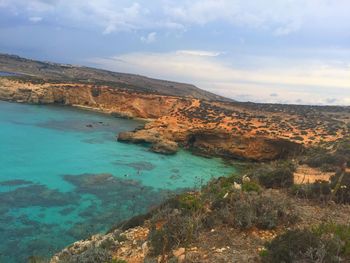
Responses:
[274,16]
[314,82]
[35,19]
[201,53]
[150,38]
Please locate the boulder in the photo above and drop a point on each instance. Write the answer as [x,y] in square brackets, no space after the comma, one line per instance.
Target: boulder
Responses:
[165,147]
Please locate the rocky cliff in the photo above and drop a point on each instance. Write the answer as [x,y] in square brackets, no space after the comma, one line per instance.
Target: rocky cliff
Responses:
[118,102]
[231,130]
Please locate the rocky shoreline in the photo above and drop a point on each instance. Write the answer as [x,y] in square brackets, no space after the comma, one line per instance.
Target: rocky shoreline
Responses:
[223,129]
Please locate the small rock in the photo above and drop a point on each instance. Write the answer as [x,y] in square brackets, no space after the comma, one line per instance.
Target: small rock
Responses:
[145,248]
[220,250]
[177,253]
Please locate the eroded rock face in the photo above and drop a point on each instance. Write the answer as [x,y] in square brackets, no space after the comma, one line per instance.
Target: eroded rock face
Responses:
[216,143]
[157,143]
[240,147]
[118,102]
[231,130]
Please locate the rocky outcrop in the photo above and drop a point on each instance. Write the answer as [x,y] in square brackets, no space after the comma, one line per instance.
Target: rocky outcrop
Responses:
[224,144]
[157,143]
[118,102]
[130,244]
[217,143]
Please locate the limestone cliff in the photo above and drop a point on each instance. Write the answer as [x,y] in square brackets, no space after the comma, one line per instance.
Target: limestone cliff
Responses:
[118,102]
[231,130]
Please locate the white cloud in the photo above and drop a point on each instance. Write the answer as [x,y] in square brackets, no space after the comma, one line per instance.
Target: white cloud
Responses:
[275,16]
[315,83]
[150,38]
[35,19]
[201,53]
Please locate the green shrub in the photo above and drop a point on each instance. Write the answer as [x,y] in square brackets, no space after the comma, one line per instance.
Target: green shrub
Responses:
[343,192]
[326,243]
[190,201]
[178,229]
[328,156]
[276,175]
[340,232]
[264,210]
[251,187]
[318,156]
[219,187]
[95,254]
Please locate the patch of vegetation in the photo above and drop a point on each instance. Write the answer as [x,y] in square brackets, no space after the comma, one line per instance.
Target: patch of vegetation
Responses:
[338,189]
[326,243]
[251,187]
[265,210]
[340,184]
[275,175]
[175,228]
[91,255]
[328,156]
[221,202]
[190,202]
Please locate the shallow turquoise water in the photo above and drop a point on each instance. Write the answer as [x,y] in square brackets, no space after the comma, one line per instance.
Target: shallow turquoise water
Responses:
[64,176]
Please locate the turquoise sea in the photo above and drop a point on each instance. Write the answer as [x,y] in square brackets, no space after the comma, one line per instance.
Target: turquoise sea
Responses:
[64,176]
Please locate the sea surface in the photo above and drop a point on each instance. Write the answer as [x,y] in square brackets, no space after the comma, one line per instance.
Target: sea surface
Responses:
[64,176]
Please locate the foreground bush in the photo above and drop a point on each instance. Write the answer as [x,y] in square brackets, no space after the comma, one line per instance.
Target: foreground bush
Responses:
[275,175]
[324,244]
[173,229]
[180,222]
[340,183]
[265,210]
[337,190]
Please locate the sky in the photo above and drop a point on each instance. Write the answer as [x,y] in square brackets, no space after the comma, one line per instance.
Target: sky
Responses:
[276,51]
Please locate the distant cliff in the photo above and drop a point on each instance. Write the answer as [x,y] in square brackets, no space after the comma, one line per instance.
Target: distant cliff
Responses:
[63,73]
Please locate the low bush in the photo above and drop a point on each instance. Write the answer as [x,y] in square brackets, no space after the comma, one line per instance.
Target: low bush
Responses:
[319,191]
[91,255]
[190,202]
[328,156]
[264,210]
[341,184]
[275,175]
[326,243]
[251,187]
[177,228]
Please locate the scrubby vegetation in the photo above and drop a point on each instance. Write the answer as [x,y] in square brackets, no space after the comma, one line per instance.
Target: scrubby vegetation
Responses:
[278,174]
[222,202]
[326,243]
[328,156]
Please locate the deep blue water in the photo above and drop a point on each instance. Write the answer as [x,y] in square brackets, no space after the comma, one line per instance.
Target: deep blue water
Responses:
[62,180]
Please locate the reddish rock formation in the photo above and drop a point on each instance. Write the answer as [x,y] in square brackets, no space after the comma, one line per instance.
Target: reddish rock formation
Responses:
[232,130]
